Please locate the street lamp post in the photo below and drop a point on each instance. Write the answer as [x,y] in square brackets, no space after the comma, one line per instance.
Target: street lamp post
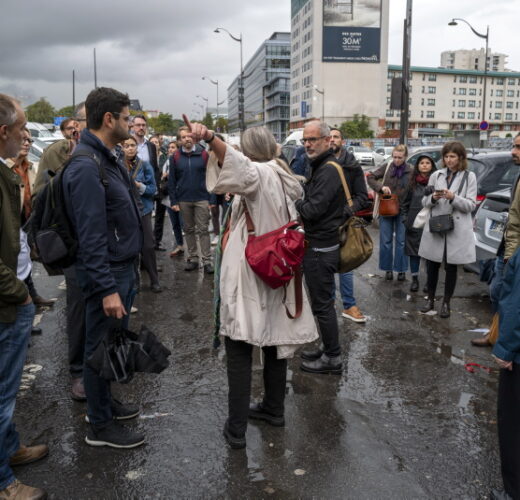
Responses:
[214,82]
[205,99]
[241,123]
[453,22]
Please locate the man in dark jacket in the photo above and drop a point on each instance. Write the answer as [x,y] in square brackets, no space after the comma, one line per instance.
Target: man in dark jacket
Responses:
[322,211]
[358,191]
[16,308]
[101,204]
[188,194]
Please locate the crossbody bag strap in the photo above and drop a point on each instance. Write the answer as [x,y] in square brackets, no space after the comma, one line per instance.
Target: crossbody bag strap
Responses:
[298,295]
[343,181]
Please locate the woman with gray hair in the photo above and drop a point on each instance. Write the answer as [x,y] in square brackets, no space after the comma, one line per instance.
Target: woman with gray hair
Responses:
[252,313]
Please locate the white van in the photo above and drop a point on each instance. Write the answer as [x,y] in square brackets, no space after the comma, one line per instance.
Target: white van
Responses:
[294,138]
[41,132]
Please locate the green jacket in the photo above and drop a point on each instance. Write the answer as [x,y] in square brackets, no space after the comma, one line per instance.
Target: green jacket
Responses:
[12,291]
[512,235]
[52,159]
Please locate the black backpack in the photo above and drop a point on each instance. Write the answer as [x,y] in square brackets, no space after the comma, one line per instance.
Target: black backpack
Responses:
[50,226]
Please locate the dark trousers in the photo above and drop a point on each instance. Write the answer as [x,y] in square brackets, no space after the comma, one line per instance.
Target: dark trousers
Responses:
[319,269]
[215,220]
[160,210]
[148,257]
[509,429]
[97,389]
[176,220]
[432,272]
[75,322]
[239,361]
[30,286]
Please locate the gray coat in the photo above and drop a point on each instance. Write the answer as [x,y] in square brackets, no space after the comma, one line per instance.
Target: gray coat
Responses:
[460,242]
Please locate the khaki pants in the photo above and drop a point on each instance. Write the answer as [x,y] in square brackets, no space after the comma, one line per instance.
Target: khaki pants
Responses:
[195,215]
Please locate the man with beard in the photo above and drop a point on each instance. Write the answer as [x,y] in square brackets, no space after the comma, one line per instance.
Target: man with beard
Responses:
[507,349]
[322,211]
[104,214]
[358,191]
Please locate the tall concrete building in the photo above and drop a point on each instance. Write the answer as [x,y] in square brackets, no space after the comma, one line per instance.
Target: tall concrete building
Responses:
[266,88]
[442,100]
[339,52]
[473,59]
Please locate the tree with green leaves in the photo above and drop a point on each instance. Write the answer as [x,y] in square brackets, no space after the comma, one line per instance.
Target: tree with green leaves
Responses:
[41,111]
[357,128]
[208,121]
[163,124]
[67,111]
[221,125]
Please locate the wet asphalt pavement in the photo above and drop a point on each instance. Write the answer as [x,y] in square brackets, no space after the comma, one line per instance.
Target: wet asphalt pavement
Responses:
[406,420]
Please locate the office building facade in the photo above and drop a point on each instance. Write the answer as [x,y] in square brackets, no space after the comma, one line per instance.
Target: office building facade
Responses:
[473,60]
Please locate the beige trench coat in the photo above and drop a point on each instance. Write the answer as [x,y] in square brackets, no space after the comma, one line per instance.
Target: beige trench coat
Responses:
[250,310]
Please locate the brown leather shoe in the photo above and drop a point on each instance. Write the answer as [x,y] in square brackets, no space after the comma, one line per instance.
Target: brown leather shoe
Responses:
[354,314]
[482,342]
[40,301]
[18,491]
[28,454]
[77,390]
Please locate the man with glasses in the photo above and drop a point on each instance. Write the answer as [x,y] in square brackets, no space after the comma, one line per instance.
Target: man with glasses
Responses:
[322,212]
[147,151]
[100,202]
[52,160]
[70,129]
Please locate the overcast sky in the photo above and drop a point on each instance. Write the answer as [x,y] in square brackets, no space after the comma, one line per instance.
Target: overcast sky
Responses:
[158,50]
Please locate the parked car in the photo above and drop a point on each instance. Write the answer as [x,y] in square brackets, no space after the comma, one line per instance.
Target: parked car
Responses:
[38,146]
[433,151]
[294,138]
[385,152]
[366,156]
[41,132]
[289,150]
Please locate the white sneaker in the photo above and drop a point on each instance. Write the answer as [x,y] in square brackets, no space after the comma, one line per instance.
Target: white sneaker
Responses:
[133,310]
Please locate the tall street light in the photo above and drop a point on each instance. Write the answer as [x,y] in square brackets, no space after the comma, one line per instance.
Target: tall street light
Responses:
[214,82]
[453,22]
[241,123]
[206,99]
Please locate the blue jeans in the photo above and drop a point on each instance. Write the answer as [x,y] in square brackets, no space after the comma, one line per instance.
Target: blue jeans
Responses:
[346,287]
[176,220]
[97,389]
[496,283]
[390,260]
[415,264]
[14,338]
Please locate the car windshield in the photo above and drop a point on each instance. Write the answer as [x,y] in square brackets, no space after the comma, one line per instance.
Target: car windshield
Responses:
[493,174]
[360,149]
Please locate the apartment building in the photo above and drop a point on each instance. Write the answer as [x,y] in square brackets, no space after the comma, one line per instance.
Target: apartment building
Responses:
[473,59]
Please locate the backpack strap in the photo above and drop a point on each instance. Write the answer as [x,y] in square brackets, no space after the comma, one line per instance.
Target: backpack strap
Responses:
[92,156]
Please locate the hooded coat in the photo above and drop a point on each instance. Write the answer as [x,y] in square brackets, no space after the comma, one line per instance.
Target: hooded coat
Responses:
[250,310]
[459,242]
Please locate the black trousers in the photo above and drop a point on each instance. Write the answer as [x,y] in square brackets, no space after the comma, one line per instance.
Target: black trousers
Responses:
[509,429]
[75,322]
[148,258]
[160,211]
[30,286]
[432,273]
[319,269]
[239,361]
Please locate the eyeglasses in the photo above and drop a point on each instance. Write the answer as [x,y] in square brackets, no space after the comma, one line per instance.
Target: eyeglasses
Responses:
[124,117]
[139,125]
[515,146]
[311,140]
[30,141]
[70,128]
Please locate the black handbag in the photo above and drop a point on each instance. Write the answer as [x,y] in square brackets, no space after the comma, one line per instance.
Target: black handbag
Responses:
[444,223]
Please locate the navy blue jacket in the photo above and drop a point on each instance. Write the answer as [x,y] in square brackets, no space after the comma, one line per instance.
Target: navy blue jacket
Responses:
[187,177]
[106,220]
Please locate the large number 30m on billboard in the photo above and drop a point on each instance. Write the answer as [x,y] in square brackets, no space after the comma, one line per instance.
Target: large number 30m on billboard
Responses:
[352,31]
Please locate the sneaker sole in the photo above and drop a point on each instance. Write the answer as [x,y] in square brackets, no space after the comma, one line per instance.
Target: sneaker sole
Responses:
[330,371]
[93,442]
[356,320]
[128,417]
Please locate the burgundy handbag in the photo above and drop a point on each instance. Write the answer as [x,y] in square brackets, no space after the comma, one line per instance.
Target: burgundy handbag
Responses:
[276,257]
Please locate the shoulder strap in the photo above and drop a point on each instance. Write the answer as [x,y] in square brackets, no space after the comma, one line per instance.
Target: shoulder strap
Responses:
[464,180]
[343,181]
[205,156]
[176,156]
[92,156]
[137,169]
[298,295]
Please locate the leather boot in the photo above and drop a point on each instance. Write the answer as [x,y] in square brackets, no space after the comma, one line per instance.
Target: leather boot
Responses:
[324,364]
[312,354]
[18,490]
[28,454]
[430,304]
[445,308]
[415,284]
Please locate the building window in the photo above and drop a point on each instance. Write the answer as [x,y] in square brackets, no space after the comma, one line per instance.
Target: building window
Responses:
[472,79]
[422,113]
[509,104]
[422,102]
[461,115]
[471,116]
[391,74]
[431,102]
[462,91]
[389,113]
[509,116]
[430,114]
[500,81]
[499,93]
[472,91]
[498,104]
[510,93]
[472,104]
[462,103]
[432,90]
[511,81]
[454,90]
[432,78]
[454,103]
[388,87]
[463,79]
[388,100]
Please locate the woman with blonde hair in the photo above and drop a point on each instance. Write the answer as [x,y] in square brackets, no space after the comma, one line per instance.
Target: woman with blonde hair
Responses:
[252,313]
[453,192]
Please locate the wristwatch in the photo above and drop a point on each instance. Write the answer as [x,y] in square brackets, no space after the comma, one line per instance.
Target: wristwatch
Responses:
[212,137]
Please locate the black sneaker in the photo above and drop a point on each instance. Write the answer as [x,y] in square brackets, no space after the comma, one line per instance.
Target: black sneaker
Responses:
[191,265]
[208,268]
[257,412]
[121,411]
[235,442]
[114,435]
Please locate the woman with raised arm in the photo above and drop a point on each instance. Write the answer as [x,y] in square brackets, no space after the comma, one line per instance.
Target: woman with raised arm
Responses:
[252,313]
